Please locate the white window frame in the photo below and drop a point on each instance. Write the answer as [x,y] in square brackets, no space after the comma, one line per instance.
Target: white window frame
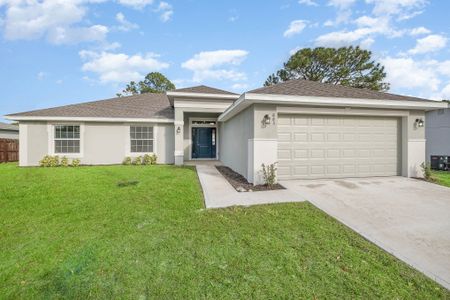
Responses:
[51,139]
[191,125]
[128,139]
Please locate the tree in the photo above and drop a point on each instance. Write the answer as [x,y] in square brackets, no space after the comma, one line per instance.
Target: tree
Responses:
[348,66]
[154,82]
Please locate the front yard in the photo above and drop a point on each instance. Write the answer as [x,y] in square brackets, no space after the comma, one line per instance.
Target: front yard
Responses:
[74,233]
[442,178]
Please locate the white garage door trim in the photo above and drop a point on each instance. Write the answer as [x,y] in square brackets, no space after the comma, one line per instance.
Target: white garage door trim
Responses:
[337,146]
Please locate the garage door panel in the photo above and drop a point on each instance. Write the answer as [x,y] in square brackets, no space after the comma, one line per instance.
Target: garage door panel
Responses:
[337,146]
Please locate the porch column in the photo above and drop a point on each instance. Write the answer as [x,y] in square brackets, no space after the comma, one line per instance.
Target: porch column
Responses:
[179,138]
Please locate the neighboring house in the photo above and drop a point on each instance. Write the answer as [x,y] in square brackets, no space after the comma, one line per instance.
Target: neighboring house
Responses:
[437,132]
[9,131]
[313,130]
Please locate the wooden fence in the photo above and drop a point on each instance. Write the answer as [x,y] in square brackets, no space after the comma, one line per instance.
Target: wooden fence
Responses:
[9,150]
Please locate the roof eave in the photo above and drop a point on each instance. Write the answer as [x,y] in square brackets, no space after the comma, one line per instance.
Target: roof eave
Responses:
[87,119]
[250,98]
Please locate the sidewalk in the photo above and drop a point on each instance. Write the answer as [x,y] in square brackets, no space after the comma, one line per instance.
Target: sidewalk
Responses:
[219,193]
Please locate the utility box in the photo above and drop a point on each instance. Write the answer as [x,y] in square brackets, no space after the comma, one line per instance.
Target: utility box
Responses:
[440,162]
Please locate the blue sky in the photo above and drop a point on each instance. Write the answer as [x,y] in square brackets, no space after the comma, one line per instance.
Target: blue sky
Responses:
[55,52]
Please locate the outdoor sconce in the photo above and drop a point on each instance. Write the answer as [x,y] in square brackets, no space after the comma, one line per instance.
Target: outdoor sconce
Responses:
[266,120]
[419,123]
[178,130]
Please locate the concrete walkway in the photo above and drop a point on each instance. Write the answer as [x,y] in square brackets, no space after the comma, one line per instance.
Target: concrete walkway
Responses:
[219,193]
[407,217]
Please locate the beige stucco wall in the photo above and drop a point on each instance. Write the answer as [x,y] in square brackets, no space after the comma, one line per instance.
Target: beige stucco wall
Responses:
[234,135]
[101,143]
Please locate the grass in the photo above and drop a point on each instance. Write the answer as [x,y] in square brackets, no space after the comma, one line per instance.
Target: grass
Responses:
[442,177]
[74,233]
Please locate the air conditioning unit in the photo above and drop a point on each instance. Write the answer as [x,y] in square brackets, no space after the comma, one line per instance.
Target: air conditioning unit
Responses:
[440,162]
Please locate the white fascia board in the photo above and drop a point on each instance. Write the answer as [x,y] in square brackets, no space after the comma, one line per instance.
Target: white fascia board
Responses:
[201,95]
[89,119]
[250,98]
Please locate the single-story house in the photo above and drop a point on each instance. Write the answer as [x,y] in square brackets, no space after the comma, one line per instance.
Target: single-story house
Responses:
[9,131]
[437,131]
[311,129]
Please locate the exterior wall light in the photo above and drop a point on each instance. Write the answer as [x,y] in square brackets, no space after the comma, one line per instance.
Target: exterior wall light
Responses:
[419,123]
[266,120]
[178,130]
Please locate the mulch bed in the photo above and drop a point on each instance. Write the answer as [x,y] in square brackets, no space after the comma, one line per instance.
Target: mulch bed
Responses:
[241,184]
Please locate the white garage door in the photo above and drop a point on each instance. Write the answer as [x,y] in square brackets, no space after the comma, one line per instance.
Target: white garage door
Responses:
[313,146]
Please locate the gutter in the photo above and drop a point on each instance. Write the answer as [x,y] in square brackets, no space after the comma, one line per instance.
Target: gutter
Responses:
[87,119]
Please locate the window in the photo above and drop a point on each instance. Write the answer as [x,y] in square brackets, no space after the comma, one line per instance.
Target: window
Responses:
[141,138]
[67,139]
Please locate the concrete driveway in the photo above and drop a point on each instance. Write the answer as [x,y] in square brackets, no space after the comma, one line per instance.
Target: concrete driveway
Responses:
[407,217]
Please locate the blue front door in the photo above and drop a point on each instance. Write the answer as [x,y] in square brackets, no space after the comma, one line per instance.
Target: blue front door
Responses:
[203,142]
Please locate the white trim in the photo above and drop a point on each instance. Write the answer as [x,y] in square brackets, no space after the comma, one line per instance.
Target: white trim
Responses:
[128,140]
[93,119]
[348,111]
[201,95]
[191,119]
[23,145]
[203,104]
[51,139]
[249,98]
[178,123]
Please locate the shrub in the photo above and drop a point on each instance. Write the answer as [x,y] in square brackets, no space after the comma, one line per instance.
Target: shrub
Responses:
[149,159]
[126,161]
[426,170]
[137,160]
[64,162]
[75,162]
[44,162]
[49,161]
[269,174]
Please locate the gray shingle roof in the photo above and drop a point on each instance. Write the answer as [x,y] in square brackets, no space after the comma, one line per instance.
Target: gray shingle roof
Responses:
[11,127]
[204,90]
[137,106]
[302,87]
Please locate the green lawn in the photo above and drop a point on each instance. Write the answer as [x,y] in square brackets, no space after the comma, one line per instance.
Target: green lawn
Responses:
[442,178]
[73,233]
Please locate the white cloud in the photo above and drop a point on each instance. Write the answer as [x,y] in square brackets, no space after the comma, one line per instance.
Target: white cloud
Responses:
[239,86]
[308,2]
[166,11]
[295,50]
[426,78]
[137,4]
[430,43]
[342,38]
[216,65]
[125,25]
[120,67]
[341,4]
[58,21]
[343,11]
[295,27]
[405,9]
[419,31]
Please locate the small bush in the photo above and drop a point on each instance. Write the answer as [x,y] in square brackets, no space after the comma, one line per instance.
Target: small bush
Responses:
[75,162]
[126,161]
[149,159]
[64,162]
[426,170]
[124,183]
[137,160]
[49,161]
[269,174]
